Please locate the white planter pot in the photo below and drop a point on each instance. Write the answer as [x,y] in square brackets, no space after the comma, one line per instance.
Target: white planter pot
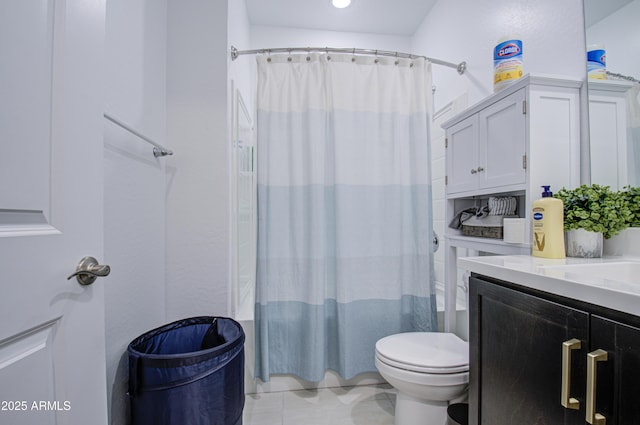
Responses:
[627,243]
[582,243]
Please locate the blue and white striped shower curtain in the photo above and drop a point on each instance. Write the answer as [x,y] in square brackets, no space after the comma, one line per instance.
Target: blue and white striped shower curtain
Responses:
[344,210]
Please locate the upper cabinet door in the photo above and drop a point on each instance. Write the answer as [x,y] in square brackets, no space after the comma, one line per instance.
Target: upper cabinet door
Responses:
[462,156]
[502,146]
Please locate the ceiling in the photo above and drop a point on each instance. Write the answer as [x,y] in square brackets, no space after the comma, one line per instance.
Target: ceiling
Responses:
[397,17]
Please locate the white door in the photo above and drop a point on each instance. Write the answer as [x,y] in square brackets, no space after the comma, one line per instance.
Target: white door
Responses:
[52,368]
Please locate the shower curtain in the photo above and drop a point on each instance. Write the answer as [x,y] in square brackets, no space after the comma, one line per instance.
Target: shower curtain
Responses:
[344,210]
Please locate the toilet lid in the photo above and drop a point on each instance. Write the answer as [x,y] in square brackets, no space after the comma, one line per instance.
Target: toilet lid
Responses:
[428,352]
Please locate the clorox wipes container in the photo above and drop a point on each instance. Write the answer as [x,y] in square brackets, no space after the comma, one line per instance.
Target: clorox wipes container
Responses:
[507,62]
[596,62]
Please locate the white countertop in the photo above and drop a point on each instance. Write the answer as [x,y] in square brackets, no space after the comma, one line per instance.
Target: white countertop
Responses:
[617,293]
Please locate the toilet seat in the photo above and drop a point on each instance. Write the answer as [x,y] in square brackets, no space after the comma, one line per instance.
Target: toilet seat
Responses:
[424,352]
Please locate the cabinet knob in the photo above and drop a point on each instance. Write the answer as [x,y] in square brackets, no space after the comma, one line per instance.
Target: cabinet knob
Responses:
[473,171]
[480,168]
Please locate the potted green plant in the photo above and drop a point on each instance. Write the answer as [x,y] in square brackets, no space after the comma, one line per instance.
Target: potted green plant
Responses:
[627,242]
[631,196]
[591,213]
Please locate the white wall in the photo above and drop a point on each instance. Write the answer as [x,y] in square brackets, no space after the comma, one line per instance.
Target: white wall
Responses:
[552,34]
[272,37]
[198,176]
[134,184]
[166,220]
[239,33]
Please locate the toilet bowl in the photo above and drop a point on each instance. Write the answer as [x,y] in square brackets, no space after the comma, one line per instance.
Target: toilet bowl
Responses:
[429,370]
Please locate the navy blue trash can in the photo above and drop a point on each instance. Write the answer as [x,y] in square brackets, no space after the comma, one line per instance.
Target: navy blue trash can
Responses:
[189,372]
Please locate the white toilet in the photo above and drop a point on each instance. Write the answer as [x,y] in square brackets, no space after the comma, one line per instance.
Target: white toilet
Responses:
[429,370]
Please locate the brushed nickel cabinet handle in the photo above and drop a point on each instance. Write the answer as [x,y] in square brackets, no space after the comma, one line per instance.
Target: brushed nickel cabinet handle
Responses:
[593,358]
[566,400]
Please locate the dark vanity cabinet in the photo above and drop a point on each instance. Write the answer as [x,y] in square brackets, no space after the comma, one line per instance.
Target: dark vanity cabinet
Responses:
[542,359]
[618,378]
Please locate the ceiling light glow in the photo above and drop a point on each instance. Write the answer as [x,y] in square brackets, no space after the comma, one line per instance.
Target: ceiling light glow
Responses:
[341,4]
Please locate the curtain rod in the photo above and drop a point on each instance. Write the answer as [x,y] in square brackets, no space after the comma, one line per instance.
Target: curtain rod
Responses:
[158,150]
[624,77]
[460,67]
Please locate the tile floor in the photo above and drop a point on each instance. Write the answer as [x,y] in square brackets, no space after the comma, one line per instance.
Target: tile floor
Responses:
[361,405]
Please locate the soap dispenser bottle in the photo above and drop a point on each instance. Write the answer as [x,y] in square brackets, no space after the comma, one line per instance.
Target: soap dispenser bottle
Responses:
[548,226]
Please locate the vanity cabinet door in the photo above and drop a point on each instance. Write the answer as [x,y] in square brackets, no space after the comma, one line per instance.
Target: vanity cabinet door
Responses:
[516,344]
[617,390]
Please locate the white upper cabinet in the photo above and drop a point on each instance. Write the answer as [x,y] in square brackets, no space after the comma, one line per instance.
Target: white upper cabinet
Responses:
[509,144]
[487,149]
[525,136]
